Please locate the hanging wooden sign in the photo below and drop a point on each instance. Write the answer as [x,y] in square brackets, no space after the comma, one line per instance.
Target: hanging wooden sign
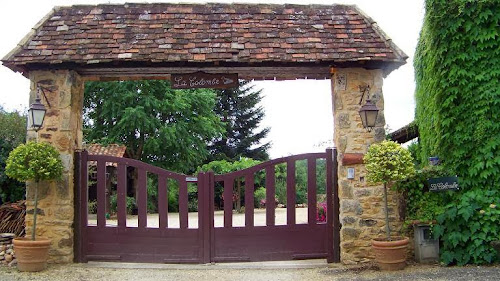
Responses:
[204,80]
[443,184]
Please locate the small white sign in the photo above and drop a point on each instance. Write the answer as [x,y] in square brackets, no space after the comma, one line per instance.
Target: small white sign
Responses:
[350,173]
[191,179]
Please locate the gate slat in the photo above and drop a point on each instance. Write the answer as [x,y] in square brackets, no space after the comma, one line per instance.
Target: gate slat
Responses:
[270,194]
[121,195]
[290,192]
[162,201]
[203,230]
[311,190]
[249,200]
[329,204]
[142,199]
[336,209]
[84,198]
[228,202]
[101,193]
[183,204]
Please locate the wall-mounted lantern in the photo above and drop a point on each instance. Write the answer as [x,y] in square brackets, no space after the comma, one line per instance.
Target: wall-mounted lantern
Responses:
[36,114]
[369,111]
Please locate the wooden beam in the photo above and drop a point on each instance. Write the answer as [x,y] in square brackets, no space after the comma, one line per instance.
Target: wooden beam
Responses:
[163,73]
[352,158]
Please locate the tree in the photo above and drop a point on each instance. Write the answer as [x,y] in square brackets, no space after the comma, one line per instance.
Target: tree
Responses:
[387,162]
[12,133]
[165,127]
[34,162]
[239,110]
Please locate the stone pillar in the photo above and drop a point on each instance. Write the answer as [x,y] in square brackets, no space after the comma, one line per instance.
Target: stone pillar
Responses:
[361,203]
[63,97]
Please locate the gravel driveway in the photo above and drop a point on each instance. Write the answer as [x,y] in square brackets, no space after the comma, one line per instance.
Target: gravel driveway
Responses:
[289,271]
[248,272]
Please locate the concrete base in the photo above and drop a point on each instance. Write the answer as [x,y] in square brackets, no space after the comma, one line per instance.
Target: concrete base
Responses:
[319,263]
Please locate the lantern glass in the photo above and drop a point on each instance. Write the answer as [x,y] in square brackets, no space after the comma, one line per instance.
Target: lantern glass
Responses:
[36,115]
[368,114]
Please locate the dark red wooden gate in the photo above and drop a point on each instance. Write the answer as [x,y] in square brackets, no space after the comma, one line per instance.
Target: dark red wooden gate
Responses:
[107,240]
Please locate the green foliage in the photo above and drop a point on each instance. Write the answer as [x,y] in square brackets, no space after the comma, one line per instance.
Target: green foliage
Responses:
[259,195]
[92,205]
[113,202]
[457,70]
[239,109]
[387,162]
[468,225]
[34,162]
[422,205]
[300,181]
[152,193]
[173,195]
[224,167]
[12,133]
[12,127]
[415,150]
[165,127]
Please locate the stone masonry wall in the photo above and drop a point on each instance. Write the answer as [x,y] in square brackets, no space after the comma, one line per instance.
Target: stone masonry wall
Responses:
[361,203]
[62,128]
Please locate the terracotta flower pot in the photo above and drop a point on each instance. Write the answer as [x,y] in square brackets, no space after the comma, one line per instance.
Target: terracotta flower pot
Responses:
[390,255]
[31,255]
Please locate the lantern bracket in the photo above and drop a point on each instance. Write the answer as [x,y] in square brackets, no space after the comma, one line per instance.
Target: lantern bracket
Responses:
[364,89]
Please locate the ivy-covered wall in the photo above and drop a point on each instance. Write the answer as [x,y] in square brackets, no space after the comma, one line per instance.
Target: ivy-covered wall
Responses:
[457,69]
[457,66]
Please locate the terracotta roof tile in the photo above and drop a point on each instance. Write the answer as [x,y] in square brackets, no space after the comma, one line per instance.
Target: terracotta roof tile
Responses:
[201,33]
[115,150]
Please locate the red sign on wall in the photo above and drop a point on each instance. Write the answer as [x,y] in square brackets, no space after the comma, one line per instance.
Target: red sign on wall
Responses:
[204,80]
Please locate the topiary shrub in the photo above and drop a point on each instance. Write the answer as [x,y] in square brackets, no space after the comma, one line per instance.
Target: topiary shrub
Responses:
[386,162]
[34,162]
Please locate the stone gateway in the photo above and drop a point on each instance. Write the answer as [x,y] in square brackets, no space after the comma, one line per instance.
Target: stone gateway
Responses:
[75,44]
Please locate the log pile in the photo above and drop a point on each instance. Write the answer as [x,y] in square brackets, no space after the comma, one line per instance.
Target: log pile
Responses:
[12,218]
[7,255]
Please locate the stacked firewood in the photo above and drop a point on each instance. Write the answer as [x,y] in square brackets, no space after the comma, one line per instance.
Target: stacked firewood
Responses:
[12,218]
[7,255]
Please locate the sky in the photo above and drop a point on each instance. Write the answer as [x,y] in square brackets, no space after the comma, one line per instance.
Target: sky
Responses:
[298,112]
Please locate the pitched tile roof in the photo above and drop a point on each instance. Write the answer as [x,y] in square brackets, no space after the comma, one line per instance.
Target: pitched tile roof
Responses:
[237,34]
[115,150]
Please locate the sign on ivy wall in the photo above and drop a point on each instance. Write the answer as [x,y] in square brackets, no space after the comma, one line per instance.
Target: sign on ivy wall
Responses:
[443,184]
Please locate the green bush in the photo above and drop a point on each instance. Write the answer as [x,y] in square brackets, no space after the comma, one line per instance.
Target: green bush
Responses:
[173,195]
[422,205]
[34,162]
[468,225]
[130,203]
[193,205]
[259,195]
[92,207]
